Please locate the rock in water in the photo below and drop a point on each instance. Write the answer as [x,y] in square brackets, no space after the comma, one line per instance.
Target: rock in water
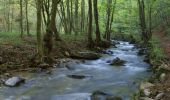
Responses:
[86,55]
[14,81]
[99,95]
[118,62]
[78,76]
[74,96]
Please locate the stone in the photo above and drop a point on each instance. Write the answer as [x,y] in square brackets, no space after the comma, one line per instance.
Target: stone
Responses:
[145,98]
[86,55]
[14,81]
[146,85]
[99,95]
[145,88]
[1,60]
[108,52]
[73,96]
[44,65]
[78,76]
[159,96]
[162,77]
[147,92]
[142,51]
[114,98]
[117,62]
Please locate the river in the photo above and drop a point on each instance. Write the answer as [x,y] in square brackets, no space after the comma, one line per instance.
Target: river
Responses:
[120,81]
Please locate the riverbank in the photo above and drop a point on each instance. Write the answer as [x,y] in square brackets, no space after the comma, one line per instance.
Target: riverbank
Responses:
[21,55]
[158,88]
[109,78]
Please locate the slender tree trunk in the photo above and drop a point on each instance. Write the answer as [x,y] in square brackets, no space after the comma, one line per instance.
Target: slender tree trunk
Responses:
[82,15]
[39,33]
[98,37]
[107,32]
[145,36]
[113,11]
[90,41]
[76,17]
[27,20]
[21,18]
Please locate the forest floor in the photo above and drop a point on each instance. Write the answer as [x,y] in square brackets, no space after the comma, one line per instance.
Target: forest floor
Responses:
[18,54]
[165,45]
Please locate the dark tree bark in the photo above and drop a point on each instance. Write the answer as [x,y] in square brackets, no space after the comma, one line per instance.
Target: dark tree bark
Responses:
[89,34]
[27,20]
[39,36]
[145,35]
[107,32]
[21,18]
[51,31]
[98,37]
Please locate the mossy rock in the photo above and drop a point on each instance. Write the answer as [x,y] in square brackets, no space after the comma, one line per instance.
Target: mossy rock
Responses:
[117,62]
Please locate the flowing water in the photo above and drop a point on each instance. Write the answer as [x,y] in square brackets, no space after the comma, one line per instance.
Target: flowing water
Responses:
[121,81]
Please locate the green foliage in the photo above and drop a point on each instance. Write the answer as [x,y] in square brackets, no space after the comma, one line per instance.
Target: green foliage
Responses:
[156,52]
[11,38]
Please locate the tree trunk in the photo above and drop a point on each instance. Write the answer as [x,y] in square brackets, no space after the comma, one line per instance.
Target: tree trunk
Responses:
[98,37]
[90,41]
[107,32]
[21,18]
[27,20]
[76,17]
[82,15]
[39,36]
[145,36]
[50,32]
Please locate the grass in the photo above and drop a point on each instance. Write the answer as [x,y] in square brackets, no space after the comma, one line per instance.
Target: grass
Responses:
[156,53]
[12,38]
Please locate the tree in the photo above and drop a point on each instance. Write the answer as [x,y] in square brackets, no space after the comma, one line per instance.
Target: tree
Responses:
[51,31]
[39,24]
[89,34]
[27,20]
[145,35]
[21,18]
[107,32]
[98,37]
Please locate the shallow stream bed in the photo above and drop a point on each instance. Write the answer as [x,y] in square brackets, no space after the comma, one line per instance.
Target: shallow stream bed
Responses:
[120,81]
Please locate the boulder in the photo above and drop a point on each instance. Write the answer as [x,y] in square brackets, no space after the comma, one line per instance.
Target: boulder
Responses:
[145,88]
[86,55]
[146,85]
[1,60]
[74,96]
[78,76]
[146,98]
[117,62]
[44,65]
[142,51]
[108,52]
[14,81]
[159,96]
[147,92]
[99,95]
[162,77]
[114,98]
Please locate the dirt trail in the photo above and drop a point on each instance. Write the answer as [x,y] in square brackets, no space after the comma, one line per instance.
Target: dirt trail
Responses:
[164,40]
[165,45]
